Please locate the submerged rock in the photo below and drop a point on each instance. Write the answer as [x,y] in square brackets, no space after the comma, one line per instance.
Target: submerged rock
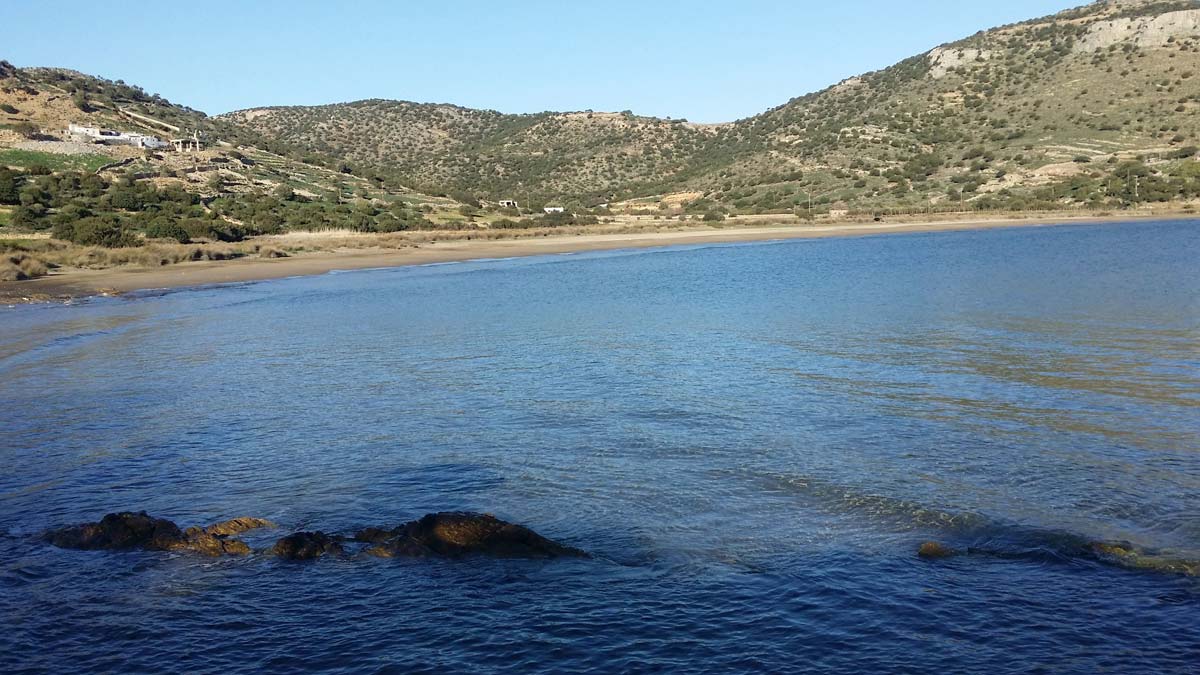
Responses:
[237,526]
[127,531]
[932,550]
[307,546]
[455,534]
[1129,556]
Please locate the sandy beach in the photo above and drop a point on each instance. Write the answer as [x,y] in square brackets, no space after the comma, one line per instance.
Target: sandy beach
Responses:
[73,283]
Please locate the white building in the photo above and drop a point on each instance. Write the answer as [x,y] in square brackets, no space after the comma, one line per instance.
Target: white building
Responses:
[109,137]
[554,209]
[507,203]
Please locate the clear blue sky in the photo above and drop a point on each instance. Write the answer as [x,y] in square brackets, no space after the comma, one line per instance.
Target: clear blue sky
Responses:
[704,61]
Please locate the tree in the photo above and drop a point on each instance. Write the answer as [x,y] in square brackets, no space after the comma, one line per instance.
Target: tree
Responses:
[9,187]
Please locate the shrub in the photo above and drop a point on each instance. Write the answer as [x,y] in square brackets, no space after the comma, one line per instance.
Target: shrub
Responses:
[197,228]
[714,216]
[95,232]
[9,190]
[167,229]
[8,109]
[27,129]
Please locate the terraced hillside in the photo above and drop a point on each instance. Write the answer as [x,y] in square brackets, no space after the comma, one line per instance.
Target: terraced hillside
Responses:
[37,105]
[1054,111]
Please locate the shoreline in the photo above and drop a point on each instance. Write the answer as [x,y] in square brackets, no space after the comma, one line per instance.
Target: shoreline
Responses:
[76,283]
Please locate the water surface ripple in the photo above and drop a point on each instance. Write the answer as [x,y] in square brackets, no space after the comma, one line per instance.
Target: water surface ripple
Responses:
[752,439]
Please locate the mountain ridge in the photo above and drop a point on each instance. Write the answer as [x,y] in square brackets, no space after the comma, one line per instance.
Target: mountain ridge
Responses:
[999,90]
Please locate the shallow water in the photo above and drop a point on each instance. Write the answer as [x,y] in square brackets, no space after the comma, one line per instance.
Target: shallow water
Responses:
[752,439]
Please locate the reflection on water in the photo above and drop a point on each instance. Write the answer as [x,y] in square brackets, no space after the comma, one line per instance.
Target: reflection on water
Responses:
[753,440]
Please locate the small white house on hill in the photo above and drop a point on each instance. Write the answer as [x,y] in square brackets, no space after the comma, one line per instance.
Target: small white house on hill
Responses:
[554,209]
[88,134]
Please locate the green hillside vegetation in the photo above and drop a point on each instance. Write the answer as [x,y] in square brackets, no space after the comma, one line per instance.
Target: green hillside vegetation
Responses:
[1048,113]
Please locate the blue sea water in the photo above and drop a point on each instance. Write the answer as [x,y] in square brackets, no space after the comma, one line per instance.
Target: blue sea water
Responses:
[752,440]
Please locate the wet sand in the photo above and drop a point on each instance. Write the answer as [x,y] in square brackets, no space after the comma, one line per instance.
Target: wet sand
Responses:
[73,283]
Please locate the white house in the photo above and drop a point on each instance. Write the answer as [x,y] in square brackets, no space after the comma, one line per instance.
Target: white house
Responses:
[554,209]
[507,203]
[110,137]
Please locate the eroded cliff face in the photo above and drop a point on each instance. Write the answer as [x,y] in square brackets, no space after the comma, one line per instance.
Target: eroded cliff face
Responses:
[1149,31]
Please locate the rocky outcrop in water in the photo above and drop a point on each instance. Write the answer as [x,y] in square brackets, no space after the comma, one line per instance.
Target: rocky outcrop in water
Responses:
[237,526]
[932,550]
[457,534]
[307,546]
[443,535]
[126,531]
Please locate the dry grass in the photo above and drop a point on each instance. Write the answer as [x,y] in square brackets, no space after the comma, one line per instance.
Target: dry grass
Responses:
[33,255]
[21,266]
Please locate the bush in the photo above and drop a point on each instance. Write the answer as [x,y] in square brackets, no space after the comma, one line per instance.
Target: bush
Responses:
[95,232]
[9,189]
[27,129]
[197,228]
[167,229]
[713,217]
[29,217]
[8,109]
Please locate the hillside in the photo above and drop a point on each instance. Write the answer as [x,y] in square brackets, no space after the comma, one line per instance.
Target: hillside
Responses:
[1049,112]
[232,184]
[583,154]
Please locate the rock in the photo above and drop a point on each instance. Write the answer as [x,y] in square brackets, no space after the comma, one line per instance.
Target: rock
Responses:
[127,531]
[209,544]
[373,535]
[932,550]
[400,547]
[237,526]
[455,534]
[307,546]
[119,531]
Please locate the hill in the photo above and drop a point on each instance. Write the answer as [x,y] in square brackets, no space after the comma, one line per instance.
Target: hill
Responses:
[1089,106]
[586,155]
[117,176]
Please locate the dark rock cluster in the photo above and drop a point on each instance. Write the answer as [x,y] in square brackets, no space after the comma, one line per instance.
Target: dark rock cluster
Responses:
[456,534]
[139,531]
[446,535]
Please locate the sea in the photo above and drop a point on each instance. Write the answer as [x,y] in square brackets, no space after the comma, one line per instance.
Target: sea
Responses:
[752,441]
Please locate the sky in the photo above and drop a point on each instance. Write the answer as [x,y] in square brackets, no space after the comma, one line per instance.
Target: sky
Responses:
[702,61]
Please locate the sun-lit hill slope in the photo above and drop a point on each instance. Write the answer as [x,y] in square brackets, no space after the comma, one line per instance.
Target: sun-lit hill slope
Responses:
[1040,111]
[483,151]
[38,104]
